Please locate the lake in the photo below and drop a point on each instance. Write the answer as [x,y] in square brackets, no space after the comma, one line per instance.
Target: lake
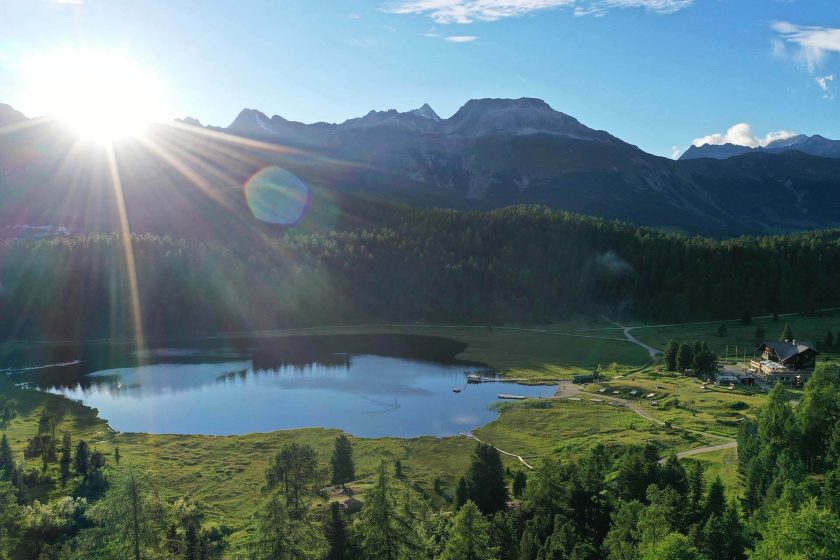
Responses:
[243,390]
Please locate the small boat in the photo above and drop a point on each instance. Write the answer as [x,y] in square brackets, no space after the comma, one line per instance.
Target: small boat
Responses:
[512,397]
[456,390]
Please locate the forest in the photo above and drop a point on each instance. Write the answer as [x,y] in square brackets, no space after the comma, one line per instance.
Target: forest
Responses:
[523,264]
[634,505]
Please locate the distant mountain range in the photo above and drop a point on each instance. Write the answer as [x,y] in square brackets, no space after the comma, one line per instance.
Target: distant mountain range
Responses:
[813,145]
[491,153]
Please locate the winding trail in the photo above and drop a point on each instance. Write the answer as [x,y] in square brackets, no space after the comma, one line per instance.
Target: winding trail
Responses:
[653,352]
[502,451]
[707,449]
[568,390]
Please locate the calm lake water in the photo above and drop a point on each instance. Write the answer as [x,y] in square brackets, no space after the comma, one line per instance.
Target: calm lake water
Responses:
[367,395]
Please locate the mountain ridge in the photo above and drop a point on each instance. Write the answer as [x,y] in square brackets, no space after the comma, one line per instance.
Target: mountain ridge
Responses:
[815,145]
[490,154]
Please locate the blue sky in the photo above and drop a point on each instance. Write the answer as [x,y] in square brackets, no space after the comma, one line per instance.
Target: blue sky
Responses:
[656,73]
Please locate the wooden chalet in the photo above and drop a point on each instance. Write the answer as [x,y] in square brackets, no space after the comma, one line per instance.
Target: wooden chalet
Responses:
[788,362]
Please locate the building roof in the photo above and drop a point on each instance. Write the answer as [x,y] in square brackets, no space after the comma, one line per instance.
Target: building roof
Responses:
[787,350]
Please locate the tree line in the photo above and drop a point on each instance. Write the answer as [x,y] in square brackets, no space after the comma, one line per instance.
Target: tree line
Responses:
[633,505]
[521,264]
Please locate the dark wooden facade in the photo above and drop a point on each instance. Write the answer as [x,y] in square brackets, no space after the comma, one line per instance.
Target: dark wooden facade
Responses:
[795,356]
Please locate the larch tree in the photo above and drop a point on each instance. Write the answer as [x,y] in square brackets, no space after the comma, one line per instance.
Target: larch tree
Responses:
[285,533]
[10,515]
[294,470]
[127,519]
[389,526]
[469,536]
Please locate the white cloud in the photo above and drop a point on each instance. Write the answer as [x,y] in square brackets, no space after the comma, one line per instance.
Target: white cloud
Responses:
[676,152]
[812,43]
[825,85]
[468,11]
[742,134]
[461,38]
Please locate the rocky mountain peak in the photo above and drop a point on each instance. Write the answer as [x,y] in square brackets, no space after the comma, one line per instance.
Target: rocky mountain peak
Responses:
[426,112]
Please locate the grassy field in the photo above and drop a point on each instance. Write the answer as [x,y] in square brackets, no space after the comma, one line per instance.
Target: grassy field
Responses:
[568,428]
[723,464]
[684,402]
[226,473]
[805,328]
[551,352]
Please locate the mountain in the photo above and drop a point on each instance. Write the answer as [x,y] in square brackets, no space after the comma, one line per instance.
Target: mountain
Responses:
[188,180]
[813,145]
[478,117]
[497,152]
[9,116]
[715,151]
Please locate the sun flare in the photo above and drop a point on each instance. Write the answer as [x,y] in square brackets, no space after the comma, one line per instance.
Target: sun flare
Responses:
[101,96]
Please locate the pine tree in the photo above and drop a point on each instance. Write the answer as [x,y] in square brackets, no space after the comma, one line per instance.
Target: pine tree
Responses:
[669,356]
[388,527]
[336,531]
[519,483]
[461,493]
[685,357]
[734,540]
[673,547]
[7,462]
[787,333]
[711,538]
[285,533]
[66,458]
[294,469]
[715,502]
[485,480]
[469,537]
[343,470]
[125,517]
[696,489]
[10,520]
[82,459]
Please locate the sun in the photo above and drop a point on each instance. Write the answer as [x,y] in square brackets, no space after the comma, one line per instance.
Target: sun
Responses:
[101,96]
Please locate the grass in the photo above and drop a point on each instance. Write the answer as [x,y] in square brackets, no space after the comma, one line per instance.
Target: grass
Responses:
[684,402]
[532,354]
[226,473]
[806,328]
[723,464]
[568,428]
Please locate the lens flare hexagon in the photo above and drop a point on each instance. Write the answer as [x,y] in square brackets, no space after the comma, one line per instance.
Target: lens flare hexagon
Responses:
[277,196]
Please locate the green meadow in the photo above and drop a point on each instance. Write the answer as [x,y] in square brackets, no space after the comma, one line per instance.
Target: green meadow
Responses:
[226,473]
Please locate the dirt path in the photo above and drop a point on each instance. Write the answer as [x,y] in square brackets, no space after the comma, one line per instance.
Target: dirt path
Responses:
[653,352]
[708,449]
[569,390]
[502,451]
